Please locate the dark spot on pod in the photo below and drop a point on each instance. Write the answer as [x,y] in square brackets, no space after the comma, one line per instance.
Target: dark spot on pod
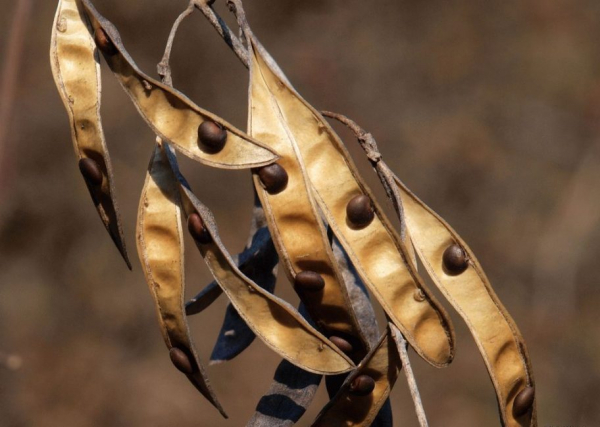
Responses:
[274,178]
[341,343]
[309,281]
[212,137]
[523,402]
[360,211]
[181,361]
[104,43]
[197,229]
[362,385]
[91,171]
[455,260]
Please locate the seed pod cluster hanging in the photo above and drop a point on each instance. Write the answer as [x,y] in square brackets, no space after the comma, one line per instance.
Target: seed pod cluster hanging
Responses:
[314,215]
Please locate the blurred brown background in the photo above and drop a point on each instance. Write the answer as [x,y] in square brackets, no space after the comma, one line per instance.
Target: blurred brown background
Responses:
[489,110]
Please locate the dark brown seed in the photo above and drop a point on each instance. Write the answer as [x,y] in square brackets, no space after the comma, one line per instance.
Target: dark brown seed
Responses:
[360,211]
[455,260]
[341,343]
[197,229]
[181,361]
[212,137]
[309,281]
[274,178]
[91,171]
[104,43]
[362,385]
[523,402]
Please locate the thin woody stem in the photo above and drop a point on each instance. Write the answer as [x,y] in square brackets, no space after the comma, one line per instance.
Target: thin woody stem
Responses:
[164,67]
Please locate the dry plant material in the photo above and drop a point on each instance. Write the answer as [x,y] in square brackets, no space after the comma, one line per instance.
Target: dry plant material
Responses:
[76,70]
[312,211]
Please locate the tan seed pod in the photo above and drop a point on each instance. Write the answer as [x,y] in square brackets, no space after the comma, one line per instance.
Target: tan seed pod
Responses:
[274,321]
[76,71]
[364,392]
[378,253]
[161,251]
[293,218]
[470,292]
[174,117]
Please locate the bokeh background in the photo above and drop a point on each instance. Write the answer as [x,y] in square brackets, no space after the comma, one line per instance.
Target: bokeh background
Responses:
[489,110]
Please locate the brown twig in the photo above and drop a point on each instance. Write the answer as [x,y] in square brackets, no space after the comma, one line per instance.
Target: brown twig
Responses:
[410,376]
[10,75]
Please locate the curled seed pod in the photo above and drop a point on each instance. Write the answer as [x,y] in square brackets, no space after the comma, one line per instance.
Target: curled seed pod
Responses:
[498,338]
[293,212]
[309,281]
[171,115]
[273,320]
[375,377]
[360,211]
[454,260]
[377,252]
[211,136]
[76,72]
[160,247]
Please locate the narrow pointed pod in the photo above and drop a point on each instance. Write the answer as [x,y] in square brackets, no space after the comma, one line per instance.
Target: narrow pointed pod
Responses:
[293,218]
[161,252]
[458,274]
[377,252]
[76,71]
[455,270]
[273,320]
[366,390]
[195,132]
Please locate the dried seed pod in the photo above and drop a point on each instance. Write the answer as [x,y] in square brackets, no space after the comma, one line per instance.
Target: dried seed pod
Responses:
[76,71]
[273,320]
[171,115]
[274,178]
[379,255]
[358,406]
[471,294]
[160,247]
[293,212]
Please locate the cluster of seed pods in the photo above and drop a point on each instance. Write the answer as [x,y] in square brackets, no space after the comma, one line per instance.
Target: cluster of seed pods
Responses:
[313,214]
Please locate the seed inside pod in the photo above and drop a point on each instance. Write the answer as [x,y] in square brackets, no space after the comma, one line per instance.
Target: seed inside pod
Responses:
[181,361]
[197,229]
[455,260]
[341,343]
[523,402]
[274,178]
[104,43]
[91,171]
[211,136]
[362,385]
[360,211]
[309,281]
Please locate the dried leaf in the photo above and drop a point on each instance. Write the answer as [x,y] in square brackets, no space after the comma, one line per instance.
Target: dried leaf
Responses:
[170,114]
[160,246]
[76,72]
